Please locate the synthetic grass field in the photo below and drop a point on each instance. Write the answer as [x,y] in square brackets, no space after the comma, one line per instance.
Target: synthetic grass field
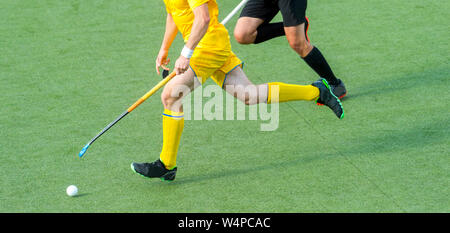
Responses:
[68,68]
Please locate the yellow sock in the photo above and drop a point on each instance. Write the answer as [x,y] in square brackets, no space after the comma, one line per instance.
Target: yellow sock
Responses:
[173,123]
[291,92]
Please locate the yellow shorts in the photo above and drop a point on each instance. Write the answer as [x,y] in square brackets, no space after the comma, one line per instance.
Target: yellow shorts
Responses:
[212,64]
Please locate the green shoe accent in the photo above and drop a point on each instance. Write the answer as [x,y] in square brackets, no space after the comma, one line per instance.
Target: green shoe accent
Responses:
[339,101]
[164,180]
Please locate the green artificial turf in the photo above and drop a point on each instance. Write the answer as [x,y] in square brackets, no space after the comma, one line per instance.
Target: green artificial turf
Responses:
[68,68]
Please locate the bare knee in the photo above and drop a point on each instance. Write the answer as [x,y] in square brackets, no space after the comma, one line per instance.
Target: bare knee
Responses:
[243,36]
[245,30]
[169,100]
[302,47]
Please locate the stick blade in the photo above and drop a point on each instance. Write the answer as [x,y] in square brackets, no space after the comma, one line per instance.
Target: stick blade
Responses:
[83,151]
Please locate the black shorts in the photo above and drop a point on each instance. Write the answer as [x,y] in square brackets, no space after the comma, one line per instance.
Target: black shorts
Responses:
[293,11]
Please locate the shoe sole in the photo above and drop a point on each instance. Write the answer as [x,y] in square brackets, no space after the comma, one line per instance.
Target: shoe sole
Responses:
[162,178]
[339,101]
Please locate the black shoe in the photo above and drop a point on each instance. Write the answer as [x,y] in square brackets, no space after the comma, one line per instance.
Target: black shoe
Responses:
[338,90]
[154,170]
[327,97]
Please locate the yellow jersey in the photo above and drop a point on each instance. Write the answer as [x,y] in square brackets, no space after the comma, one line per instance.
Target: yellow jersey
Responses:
[216,38]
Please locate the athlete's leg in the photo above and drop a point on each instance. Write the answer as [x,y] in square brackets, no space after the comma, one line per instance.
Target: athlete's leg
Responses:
[173,123]
[177,88]
[294,19]
[246,29]
[297,39]
[238,85]
[310,54]
[253,25]
[173,116]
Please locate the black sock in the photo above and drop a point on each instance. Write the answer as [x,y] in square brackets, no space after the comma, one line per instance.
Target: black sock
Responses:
[318,63]
[269,31]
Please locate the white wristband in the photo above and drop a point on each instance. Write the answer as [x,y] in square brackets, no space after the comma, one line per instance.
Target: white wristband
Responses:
[187,52]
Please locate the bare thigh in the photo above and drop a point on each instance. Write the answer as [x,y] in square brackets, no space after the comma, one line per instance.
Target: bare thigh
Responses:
[238,85]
